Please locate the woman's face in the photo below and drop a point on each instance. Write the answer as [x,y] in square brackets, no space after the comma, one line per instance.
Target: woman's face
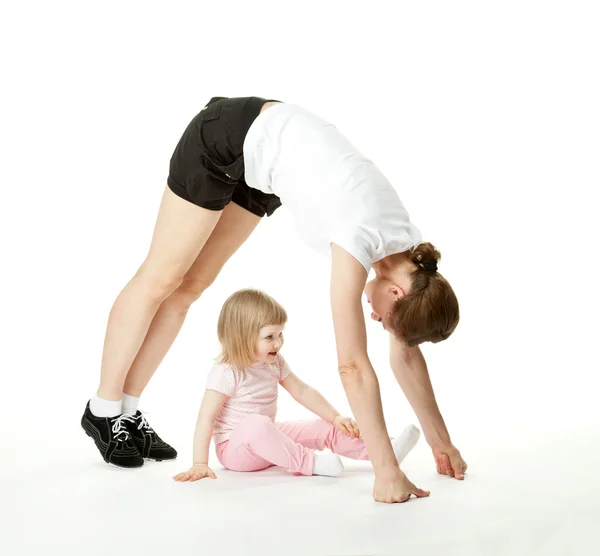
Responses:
[382,294]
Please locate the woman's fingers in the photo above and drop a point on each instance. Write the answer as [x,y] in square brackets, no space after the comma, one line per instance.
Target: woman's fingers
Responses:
[459,465]
[420,493]
[459,471]
[447,466]
[449,462]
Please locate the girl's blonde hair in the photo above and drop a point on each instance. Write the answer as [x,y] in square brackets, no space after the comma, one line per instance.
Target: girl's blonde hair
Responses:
[243,315]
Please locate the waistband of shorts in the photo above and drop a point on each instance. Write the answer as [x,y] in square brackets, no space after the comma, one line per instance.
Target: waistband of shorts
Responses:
[251,110]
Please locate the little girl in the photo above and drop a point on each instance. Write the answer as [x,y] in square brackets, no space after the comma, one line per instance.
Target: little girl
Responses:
[240,403]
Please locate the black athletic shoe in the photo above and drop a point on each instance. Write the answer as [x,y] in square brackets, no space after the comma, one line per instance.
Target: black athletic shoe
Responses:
[148,443]
[112,439]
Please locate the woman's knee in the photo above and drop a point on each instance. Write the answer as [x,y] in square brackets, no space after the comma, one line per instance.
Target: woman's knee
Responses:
[189,291]
[157,285]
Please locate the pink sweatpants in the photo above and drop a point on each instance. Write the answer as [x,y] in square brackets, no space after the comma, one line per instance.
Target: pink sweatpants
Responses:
[257,443]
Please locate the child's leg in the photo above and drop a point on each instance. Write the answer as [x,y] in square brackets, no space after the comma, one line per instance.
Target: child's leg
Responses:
[238,457]
[319,434]
[256,443]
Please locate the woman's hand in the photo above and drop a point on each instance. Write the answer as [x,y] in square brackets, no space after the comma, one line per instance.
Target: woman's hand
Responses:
[196,472]
[346,425]
[396,488]
[449,461]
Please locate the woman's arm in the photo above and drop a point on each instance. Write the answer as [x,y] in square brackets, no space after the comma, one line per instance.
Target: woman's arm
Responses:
[348,278]
[410,370]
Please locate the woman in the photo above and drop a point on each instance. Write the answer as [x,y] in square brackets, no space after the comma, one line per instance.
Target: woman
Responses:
[238,160]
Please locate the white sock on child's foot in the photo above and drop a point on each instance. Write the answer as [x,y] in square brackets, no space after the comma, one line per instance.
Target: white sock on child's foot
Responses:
[105,408]
[327,464]
[404,443]
[130,403]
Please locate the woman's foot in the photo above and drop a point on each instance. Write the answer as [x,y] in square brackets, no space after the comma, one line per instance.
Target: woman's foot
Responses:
[329,465]
[148,443]
[404,443]
[112,439]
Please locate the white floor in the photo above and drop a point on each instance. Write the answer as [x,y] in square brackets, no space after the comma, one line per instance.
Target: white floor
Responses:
[526,493]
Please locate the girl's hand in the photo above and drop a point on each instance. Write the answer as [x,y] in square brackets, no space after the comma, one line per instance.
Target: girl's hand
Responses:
[347,426]
[196,472]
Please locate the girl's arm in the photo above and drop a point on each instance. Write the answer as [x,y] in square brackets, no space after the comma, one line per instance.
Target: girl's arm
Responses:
[309,397]
[212,402]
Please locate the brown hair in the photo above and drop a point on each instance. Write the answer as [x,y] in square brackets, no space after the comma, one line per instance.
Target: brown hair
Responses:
[429,313]
[243,315]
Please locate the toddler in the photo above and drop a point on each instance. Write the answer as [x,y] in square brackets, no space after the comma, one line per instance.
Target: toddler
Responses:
[240,403]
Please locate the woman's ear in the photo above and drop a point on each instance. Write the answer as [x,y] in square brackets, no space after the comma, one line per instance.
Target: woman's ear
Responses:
[397,291]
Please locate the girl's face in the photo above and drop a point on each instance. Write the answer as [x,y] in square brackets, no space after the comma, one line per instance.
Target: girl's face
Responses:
[382,294]
[268,343]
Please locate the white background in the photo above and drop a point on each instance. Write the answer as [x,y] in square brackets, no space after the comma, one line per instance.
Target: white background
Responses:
[484,116]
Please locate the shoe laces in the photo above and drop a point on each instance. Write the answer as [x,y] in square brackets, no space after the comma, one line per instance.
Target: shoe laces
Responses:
[119,430]
[140,420]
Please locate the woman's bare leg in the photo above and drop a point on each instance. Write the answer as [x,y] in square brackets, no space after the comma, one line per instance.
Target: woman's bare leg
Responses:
[233,228]
[181,231]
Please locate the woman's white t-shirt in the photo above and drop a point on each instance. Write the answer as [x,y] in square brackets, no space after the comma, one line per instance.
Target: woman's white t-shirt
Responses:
[335,194]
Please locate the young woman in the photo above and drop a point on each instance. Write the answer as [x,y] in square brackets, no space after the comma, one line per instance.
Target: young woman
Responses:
[238,160]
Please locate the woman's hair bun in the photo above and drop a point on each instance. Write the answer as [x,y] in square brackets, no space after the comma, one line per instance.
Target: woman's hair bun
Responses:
[426,256]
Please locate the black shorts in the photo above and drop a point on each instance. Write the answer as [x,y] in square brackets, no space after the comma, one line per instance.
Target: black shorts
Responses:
[207,167]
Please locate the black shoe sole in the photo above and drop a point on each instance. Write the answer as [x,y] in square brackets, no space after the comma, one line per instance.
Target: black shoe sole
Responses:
[111,462]
[163,459]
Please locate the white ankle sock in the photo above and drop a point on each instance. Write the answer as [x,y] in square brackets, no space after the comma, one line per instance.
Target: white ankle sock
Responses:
[105,408]
[327,464]
[130,403]
[404,443]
